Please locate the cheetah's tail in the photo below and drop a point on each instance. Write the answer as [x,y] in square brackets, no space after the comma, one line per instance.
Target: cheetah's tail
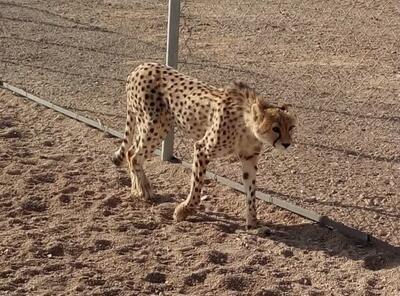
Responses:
[119,156]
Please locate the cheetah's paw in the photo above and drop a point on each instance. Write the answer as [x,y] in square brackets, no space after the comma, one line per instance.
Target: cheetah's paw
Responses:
[182,211]
[251,224]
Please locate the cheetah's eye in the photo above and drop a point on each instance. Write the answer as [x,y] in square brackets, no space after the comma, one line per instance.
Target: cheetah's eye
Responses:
[276,129]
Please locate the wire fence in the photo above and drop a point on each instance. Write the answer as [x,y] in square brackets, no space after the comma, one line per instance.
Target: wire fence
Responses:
[336,62]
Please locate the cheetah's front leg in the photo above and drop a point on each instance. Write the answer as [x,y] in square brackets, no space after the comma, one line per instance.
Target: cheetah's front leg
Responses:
[187,207]
[249,167]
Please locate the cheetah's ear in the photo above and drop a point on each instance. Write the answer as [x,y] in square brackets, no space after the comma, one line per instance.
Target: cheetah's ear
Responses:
[263,104]
[257,110]
[240,85]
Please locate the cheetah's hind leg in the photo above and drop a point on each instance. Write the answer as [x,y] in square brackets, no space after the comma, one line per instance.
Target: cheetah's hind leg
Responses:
[150,136]
[130,152]
[140,184]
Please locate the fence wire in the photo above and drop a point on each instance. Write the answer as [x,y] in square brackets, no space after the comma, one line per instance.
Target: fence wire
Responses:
[336,62]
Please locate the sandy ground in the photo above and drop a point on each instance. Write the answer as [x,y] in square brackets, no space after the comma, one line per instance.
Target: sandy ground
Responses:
[337,62]
[69,227]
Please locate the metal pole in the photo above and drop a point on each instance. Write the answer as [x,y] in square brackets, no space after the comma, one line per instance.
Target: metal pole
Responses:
[167,147]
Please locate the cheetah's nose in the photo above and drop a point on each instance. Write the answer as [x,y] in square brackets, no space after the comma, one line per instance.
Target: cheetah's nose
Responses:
[286,145]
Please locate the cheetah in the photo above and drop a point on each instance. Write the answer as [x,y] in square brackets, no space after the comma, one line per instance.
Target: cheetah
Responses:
[222,121]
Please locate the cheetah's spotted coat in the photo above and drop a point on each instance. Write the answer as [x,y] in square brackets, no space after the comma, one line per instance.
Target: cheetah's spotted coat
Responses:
[221,121]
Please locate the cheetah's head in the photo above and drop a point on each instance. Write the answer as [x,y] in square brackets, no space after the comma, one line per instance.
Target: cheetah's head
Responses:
[272,124]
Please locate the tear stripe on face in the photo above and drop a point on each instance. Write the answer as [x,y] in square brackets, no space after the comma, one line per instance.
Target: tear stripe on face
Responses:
[277,139]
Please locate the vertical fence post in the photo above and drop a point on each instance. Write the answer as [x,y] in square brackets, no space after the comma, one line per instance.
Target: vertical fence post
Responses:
[167,147]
